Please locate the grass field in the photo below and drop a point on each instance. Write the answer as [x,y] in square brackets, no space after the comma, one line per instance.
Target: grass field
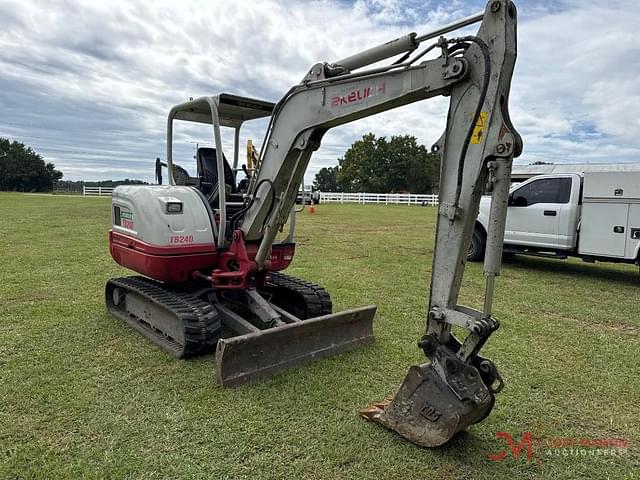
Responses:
[83,396]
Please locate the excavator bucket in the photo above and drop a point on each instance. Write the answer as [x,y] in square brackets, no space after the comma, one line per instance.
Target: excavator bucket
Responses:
[262,353]
[428,410]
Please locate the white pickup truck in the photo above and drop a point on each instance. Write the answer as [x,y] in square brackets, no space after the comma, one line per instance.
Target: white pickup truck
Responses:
[594,216]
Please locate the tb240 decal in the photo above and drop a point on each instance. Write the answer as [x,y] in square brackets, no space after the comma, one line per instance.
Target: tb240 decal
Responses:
[181,239]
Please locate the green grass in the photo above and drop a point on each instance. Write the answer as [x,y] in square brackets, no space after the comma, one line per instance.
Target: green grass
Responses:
[83,396]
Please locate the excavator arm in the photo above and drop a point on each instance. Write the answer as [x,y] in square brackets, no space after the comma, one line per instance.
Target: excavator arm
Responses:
[456,387]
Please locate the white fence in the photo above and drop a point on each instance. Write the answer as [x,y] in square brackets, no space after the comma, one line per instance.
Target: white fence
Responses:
[380,198]
[97,191]
[333,197]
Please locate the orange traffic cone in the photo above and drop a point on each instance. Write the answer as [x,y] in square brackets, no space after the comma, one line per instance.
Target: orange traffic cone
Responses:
[312,207]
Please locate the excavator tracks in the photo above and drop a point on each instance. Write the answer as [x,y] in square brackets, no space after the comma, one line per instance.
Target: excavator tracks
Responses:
[186,326]
[176,321]
[299,297]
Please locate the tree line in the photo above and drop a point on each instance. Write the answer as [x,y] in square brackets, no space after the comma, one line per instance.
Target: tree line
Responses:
[372,164]
[23,170]
[76,186]
[377,165]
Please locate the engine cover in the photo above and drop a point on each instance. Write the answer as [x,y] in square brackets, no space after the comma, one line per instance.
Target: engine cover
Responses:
[163,232]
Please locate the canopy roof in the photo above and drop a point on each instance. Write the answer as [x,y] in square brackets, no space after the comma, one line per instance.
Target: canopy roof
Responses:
[232,109]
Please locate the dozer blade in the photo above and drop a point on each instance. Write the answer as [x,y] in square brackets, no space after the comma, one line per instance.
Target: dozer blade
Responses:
[428,410]
[258,354]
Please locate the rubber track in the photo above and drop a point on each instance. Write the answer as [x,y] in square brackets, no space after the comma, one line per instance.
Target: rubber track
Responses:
[202,325]
[316,298]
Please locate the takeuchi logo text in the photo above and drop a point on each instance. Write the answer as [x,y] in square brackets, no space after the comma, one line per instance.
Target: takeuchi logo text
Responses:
[359,95]
[126,219]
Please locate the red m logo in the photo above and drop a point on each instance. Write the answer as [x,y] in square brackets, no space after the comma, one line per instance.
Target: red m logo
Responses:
[525,441]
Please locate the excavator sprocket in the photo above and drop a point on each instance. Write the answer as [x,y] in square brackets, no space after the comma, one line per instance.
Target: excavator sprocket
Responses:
[178,322]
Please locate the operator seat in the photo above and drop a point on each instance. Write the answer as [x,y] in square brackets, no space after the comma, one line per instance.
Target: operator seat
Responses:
[208,173]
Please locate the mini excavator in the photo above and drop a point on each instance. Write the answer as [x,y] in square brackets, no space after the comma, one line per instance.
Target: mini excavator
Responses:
[210,253]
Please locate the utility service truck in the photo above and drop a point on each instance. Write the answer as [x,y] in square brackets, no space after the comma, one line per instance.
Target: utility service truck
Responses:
[594,216]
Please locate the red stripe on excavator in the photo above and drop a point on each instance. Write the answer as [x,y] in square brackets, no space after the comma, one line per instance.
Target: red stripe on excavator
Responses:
[176,263]
[172,264]
[139,245]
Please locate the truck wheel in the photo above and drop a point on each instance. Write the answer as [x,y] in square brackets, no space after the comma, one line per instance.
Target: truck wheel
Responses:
[476,249]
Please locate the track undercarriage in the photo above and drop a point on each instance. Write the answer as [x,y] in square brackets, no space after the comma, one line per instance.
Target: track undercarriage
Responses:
[254,333]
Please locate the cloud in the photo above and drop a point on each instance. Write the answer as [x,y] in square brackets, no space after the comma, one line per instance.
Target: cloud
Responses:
[89,84]
[576,89]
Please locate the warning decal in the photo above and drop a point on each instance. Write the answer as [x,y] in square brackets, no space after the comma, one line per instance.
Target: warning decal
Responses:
[478,131]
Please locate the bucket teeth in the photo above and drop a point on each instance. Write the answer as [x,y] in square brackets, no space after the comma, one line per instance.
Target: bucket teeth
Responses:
[372,412]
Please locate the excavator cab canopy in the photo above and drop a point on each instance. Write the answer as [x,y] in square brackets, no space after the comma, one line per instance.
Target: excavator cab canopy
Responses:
[233,110]
[222,110]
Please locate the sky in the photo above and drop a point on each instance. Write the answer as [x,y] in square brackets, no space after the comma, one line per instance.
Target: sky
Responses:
[88,84]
